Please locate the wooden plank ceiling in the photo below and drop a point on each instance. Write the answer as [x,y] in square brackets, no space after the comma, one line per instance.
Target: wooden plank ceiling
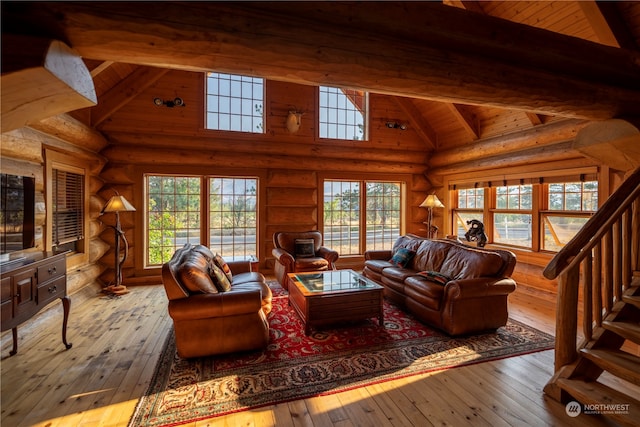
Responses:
[442,124]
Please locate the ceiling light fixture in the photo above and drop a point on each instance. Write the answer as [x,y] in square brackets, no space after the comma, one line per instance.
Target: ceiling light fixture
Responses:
[396,125]
[177,102]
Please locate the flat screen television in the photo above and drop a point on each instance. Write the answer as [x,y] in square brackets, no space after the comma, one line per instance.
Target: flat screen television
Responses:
[17,213]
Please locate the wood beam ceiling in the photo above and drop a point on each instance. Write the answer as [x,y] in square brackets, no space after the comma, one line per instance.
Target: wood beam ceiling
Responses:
[415,49]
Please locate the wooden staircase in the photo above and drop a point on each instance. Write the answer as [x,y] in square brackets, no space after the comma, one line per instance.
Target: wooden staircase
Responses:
[601,264]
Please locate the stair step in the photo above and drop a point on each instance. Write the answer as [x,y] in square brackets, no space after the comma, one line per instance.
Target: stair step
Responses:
[617,362]
[627,330]
[595,393]
[633,300]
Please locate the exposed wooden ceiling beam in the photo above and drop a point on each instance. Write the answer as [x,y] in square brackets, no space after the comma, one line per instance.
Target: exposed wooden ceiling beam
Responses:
[415,49]
[606,22]
[466,120]
[41,78]
[100,68]
[530,140]
[125,91]
[423,129]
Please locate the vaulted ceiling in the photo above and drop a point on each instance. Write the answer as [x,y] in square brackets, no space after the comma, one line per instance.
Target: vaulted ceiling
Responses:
[460,71]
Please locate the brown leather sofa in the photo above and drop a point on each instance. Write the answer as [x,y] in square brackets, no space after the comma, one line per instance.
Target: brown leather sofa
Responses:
[288,261]
[456,288]
[207,320]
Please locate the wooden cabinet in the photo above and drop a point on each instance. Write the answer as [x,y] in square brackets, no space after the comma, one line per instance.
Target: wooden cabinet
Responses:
[27,285]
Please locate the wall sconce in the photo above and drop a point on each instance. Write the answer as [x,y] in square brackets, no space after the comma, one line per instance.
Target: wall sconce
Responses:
[293,121]
[177,102]
[396,125]
[430,202]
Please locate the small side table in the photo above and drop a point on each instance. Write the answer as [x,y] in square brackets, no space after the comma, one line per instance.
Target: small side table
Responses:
[253,260]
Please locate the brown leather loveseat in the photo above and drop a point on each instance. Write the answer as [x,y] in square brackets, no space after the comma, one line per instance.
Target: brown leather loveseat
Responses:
[211,320]
[456,288]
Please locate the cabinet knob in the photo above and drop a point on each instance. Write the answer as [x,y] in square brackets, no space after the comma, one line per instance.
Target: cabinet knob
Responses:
[53,289]
[52,270]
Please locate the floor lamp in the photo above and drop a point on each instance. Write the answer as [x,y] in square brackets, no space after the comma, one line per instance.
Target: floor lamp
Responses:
[430,202]
[117,204]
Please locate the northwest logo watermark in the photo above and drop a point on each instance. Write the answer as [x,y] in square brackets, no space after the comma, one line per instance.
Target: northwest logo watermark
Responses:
[573,409]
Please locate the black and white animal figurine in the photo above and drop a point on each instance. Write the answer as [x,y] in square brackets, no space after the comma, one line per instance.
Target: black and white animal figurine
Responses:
[476,233]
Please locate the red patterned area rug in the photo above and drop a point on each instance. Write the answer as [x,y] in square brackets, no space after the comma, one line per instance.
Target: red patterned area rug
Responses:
[295,366]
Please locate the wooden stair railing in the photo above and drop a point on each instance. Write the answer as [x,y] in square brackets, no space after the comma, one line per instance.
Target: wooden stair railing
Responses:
[602,262]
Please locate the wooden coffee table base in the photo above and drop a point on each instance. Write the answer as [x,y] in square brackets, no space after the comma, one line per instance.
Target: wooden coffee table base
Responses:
[333,308]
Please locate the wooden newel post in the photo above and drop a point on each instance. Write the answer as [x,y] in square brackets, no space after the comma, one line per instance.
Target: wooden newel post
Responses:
[567,317]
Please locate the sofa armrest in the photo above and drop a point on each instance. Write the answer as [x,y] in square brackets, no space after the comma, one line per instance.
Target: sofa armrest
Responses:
[328,254]
[379,254]
[222,304]
[479,287]
[283,257]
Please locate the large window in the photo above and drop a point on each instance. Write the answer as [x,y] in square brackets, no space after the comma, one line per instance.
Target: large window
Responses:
[68,199]
[343,113]
[176,206]
[234,103]
[233,216]
[569,207]
[350,230]
[470,206]
[512,216]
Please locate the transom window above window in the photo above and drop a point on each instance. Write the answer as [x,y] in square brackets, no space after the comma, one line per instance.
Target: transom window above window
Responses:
[234,103]
[573,196]
[343,113]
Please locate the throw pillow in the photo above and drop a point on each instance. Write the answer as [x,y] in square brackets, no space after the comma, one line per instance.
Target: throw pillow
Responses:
[435,277]
[402,257]
[305,248]
[220,262]
[193,274]
[219,278]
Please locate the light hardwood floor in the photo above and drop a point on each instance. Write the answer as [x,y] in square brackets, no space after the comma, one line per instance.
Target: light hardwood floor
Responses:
[116,343]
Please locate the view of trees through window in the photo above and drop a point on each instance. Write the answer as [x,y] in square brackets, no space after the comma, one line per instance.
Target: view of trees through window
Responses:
[345,226]
[175,212]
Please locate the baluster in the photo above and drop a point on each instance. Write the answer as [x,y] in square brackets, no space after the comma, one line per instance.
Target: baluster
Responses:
[587,297]
[597,283]
[617,260]
[608,271]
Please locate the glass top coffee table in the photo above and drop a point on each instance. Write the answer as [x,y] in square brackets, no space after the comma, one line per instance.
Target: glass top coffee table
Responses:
[334,296]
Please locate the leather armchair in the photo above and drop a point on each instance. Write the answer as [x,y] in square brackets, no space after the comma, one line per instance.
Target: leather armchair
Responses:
[209,322]
[287,262]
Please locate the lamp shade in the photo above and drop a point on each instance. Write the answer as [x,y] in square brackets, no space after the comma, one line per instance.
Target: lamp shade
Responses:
[431,201]
[118,203]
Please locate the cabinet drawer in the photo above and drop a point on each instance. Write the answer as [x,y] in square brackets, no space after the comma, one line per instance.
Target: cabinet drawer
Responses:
[5,289]
[52,290]
[51,270]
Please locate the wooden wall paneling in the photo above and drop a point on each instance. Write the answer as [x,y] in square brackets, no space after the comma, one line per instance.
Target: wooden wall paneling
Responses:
[24,144]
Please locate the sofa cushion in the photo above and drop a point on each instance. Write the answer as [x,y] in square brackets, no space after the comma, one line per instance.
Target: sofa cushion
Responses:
[193,273]
[311,264]
[377,265]
[430,255]
[426,292]
[402,257]
[397,273]
[468,263]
